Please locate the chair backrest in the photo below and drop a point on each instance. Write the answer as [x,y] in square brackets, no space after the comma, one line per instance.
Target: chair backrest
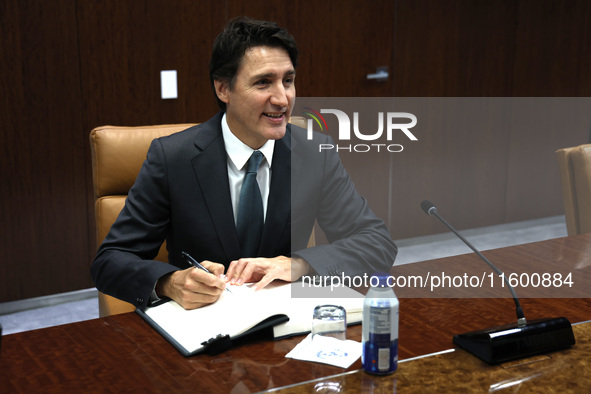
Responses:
[117,156]
[575,173]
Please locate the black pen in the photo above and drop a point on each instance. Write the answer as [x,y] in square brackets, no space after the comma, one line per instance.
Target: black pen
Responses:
[196,264]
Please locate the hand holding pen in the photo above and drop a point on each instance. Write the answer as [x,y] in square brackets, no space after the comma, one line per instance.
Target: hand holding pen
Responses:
[189,259]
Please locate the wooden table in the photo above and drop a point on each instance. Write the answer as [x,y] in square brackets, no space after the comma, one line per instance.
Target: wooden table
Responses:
[458,372]
[123,354]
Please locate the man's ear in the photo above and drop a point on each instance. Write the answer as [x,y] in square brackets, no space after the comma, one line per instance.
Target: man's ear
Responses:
[222,89]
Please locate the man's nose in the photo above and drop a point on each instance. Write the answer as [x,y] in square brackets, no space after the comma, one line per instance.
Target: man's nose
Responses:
[279,96]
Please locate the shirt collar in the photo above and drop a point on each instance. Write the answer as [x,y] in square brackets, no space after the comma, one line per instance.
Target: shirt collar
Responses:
[238,151]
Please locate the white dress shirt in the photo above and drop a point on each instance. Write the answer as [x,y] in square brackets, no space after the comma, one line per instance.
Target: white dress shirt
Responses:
[238,154]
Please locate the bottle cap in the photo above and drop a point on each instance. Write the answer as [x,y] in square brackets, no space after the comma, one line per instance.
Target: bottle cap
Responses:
[381,279]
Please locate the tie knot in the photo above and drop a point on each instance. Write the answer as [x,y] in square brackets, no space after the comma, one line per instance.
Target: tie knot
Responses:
[254,162]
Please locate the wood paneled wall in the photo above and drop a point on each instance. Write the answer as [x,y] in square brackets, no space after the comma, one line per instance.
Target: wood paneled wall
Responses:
[45,239]
[123,47]
[493,49]
[70,65]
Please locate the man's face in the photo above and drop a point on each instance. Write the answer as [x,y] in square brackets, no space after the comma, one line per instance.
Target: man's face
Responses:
[259,105]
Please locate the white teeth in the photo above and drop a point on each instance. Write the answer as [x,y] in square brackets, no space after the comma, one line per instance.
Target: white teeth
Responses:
[273,115]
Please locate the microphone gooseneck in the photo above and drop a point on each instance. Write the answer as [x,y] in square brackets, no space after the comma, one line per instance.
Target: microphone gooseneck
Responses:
[430,209]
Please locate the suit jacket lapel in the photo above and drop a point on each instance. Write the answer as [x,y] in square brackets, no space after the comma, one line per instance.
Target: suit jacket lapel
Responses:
[278,217]
[212,174]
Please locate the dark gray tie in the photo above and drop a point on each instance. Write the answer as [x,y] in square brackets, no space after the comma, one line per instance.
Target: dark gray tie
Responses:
[250,209]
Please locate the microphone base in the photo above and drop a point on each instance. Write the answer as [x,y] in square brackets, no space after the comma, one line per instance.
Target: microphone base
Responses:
[510,342]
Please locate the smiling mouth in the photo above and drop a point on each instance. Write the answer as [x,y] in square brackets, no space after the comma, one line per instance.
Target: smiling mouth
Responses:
[273,115]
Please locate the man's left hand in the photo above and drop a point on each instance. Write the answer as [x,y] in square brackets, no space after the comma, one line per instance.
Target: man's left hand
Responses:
[265,270]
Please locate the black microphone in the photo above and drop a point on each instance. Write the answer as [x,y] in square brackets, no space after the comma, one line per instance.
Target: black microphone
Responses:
[512,341]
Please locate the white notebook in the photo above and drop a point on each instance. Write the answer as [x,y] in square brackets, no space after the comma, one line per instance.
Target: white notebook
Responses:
[243,311]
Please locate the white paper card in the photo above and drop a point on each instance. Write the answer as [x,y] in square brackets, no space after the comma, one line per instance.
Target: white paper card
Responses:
[327,350]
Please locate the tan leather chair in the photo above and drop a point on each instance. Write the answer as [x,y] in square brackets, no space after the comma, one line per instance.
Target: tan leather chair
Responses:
[117,156]
[575,172]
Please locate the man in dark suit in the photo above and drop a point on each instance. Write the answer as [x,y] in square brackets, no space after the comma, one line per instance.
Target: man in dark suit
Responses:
[189,191]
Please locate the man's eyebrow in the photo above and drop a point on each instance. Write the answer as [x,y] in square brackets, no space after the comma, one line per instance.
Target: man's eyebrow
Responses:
[272,74]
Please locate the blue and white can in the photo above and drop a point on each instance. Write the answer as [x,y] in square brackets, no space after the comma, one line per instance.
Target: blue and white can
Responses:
[380,327]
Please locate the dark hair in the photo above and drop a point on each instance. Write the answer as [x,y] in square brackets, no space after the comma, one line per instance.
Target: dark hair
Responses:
[239,35]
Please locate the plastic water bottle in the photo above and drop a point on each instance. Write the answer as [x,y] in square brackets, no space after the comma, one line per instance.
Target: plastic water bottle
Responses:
[380,327]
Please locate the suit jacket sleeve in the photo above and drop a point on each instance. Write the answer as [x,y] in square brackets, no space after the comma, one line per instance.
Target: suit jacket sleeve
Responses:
[360,242]
[124,265]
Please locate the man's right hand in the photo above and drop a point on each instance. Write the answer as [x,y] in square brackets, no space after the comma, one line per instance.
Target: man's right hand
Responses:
[193,288]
